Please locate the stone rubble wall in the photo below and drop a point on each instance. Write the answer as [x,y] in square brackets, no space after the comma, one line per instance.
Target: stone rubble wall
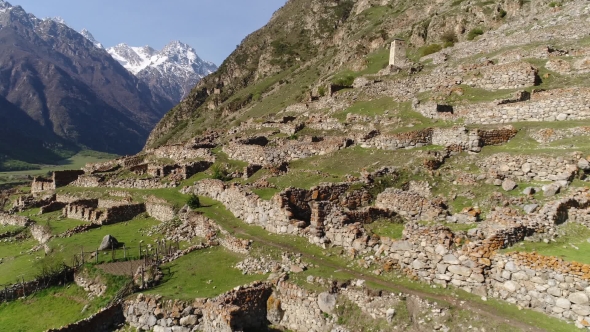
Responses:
[457,138]
[552,105]
[546,284]
[40,233]
[527,168]
[247,206]
[40,185]
[14,220]
[241,308]
[506,76]
[160,211]
[89,210]
[548,135]
[296,309]
[411,205]
[197,225]
[284,151]
[180,153]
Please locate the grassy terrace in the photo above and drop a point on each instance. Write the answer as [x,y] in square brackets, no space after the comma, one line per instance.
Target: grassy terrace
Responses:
[202,274]
[571,245]
[57,306]
[332,264]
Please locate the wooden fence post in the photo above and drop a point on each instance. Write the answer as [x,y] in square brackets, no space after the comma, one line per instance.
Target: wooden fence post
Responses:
[140,251]
[124,252]
[96,255]
[23,285]
[82,255]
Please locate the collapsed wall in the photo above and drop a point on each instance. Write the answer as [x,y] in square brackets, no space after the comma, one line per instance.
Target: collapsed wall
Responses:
[242,308]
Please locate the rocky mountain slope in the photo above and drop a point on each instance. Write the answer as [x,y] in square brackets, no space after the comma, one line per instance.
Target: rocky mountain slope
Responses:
[66,85]
[171,72]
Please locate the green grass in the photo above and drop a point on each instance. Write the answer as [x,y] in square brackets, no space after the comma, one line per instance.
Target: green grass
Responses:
[370,108]
[188,277]
[53,220]
[18,262]
[386,228]
[572,245]
[57,306]
[266,193]
[75,162]
[131,233]
[51,308]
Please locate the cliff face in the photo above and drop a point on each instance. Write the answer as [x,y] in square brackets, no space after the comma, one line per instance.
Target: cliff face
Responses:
[308,42]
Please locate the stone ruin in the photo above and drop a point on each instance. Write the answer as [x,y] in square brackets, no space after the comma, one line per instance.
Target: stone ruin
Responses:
[102,212]
[59,179]
[397,54]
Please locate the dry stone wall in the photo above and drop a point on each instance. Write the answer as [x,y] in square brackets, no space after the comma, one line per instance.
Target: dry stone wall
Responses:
[527,168]
[89,210]
[411,205]
[242,308]
[284,150]
[551,105]
[14,220]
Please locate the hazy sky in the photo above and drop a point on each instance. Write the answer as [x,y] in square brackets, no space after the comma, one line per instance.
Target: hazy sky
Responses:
[212,27]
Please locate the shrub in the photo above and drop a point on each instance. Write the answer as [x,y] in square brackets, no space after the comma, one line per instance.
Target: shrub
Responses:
[474,33]
[430,49]
[502,13]
[193,202]
[220,173]
[449,37]
[344,80]
[322,91]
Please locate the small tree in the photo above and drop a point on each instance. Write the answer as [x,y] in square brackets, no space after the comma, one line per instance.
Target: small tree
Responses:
[193,202]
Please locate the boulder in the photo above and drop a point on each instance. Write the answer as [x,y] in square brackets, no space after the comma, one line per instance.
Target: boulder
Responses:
[584,164]
[108,242]
[563,303]
[327,302]
[529,191]
[578,298]
[550,190]
[509,185]
[510,286]
[389,314]
[530,208]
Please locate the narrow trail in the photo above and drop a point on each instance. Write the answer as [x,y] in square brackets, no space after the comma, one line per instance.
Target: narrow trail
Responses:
[466,304]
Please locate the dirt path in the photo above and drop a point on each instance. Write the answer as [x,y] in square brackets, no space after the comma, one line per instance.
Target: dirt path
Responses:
[479,308]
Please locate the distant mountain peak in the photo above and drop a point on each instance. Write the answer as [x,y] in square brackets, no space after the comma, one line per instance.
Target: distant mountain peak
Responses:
[90,37]
[172,71]
[57,19]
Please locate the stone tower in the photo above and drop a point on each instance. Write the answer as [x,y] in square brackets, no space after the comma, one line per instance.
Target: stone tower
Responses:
[397,53]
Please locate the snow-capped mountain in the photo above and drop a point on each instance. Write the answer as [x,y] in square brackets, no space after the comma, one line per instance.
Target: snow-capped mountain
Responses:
[172,72]
[90,37]
[61,89]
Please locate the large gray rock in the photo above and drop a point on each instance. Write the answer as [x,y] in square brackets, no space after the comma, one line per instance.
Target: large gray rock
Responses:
[529,191]
[530,208]
[108,242]
[550,190]
[563,303]
[509,185]
[510,286]
[189,320]
[389,314]
[461,270]
[451,259]
[578,298]
[327,302]
[584,165]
